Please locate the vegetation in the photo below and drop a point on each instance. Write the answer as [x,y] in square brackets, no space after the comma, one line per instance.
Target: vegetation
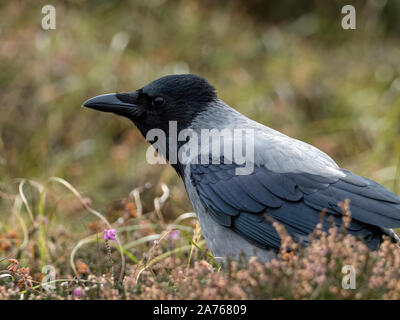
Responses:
[68,173]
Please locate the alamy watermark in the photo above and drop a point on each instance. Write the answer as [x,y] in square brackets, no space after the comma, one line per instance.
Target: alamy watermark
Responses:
[48,281]
[49,20]
[205,146]
[349,278]
[349,20]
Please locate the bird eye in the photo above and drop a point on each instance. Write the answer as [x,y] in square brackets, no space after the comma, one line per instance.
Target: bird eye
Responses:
[157,101]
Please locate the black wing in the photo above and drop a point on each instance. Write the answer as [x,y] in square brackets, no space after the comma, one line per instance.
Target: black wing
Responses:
[241,202]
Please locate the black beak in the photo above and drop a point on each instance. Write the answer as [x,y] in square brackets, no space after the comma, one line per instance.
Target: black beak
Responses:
[110,103]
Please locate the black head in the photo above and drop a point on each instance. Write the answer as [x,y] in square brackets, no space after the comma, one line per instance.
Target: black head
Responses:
[171,98]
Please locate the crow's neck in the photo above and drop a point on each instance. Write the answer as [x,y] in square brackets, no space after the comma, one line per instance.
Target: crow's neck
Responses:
[170,153]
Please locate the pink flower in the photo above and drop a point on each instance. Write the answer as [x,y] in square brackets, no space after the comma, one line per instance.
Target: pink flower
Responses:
[320,279]
[78,292]
[174,234]
[109,234]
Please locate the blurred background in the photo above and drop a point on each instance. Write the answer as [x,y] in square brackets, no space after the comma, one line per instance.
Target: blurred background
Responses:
[287,64]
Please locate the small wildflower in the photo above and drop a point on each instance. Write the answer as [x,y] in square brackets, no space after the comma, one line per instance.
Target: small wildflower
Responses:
[44,220]
[109,234]
[82,267]
[78,292]
[174,234]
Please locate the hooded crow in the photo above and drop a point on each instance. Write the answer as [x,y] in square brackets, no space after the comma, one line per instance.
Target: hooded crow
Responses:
[282,179]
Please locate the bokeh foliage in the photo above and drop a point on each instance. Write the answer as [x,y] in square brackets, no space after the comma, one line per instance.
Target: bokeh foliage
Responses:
[287,64]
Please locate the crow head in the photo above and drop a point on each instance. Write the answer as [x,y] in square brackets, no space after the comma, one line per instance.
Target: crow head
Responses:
[177,98]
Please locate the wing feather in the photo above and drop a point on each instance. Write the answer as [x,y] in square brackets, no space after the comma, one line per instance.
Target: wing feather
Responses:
[294,199]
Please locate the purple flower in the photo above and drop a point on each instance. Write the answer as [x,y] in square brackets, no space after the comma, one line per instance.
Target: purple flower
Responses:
[109,234]
[320,279]
[78,292]
[45,220]
[174,234]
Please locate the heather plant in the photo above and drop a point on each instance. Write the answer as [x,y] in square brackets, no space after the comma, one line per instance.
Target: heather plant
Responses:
[175,263]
